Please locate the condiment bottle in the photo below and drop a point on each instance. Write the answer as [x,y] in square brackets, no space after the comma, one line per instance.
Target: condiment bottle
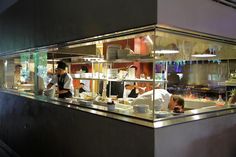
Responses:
[220,101]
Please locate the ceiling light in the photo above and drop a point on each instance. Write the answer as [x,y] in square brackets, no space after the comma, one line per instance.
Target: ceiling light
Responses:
[169,49]
[203,55]
[210,52]
[53,60]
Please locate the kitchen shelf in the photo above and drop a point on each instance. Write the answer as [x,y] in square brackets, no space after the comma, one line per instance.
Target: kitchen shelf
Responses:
[230,83]
[125,80]
[123,60]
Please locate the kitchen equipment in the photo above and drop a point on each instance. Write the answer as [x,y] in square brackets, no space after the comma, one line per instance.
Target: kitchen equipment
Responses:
[122,53]
[112,73]
[131,73]
[112,51]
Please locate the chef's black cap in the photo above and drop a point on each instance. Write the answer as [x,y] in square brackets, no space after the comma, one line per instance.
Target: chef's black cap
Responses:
[18,66]
[61,65]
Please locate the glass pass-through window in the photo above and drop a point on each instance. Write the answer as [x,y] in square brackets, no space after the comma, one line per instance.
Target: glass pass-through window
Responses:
[148,75]
[25,72]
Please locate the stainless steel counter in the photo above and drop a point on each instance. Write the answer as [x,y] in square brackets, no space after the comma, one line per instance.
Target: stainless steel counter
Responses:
[125,112]
[31,122]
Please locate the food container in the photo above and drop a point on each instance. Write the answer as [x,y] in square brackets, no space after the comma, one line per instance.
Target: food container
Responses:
[112,73]
[88,95]
[140,108]
[111,107]
[85,103]
[113,97]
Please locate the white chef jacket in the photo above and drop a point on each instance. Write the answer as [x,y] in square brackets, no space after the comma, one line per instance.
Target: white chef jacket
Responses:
[162,97]
[68,82]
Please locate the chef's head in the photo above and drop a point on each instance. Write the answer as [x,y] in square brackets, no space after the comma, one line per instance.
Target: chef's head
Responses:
[84,69]
[18,68]
[129,87]
[176,103]
[61,68]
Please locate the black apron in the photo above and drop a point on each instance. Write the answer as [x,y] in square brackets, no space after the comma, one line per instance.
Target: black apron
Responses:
[133,93]
[81,90]
[61,82]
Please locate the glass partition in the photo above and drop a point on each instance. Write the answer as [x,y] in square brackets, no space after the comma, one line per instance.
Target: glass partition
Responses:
[119,73]
[197,68]
[19,72]
[25,72]
[148,75]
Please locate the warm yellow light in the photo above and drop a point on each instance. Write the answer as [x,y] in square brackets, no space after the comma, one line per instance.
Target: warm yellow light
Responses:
[167,51]
[203,55]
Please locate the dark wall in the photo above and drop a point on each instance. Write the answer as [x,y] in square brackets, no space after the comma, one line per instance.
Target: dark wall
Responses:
[17,27]
[33,23]
[38,129]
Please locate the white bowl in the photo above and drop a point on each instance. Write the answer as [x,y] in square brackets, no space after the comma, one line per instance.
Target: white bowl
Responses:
[140,108]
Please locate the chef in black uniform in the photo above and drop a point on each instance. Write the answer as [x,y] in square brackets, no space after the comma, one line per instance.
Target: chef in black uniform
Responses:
[63,80]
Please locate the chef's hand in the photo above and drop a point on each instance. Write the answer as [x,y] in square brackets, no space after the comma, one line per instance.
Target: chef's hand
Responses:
[141,90]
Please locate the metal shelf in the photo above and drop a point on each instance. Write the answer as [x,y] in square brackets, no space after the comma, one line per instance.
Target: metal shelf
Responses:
[121,60]
[230,83]
[125,80]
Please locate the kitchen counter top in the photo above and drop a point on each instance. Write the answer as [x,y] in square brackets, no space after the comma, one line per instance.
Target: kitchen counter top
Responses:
[126,113]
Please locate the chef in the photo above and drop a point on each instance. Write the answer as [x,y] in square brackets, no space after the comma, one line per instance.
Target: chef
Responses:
[63,80]
[17,76]
[163,101]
